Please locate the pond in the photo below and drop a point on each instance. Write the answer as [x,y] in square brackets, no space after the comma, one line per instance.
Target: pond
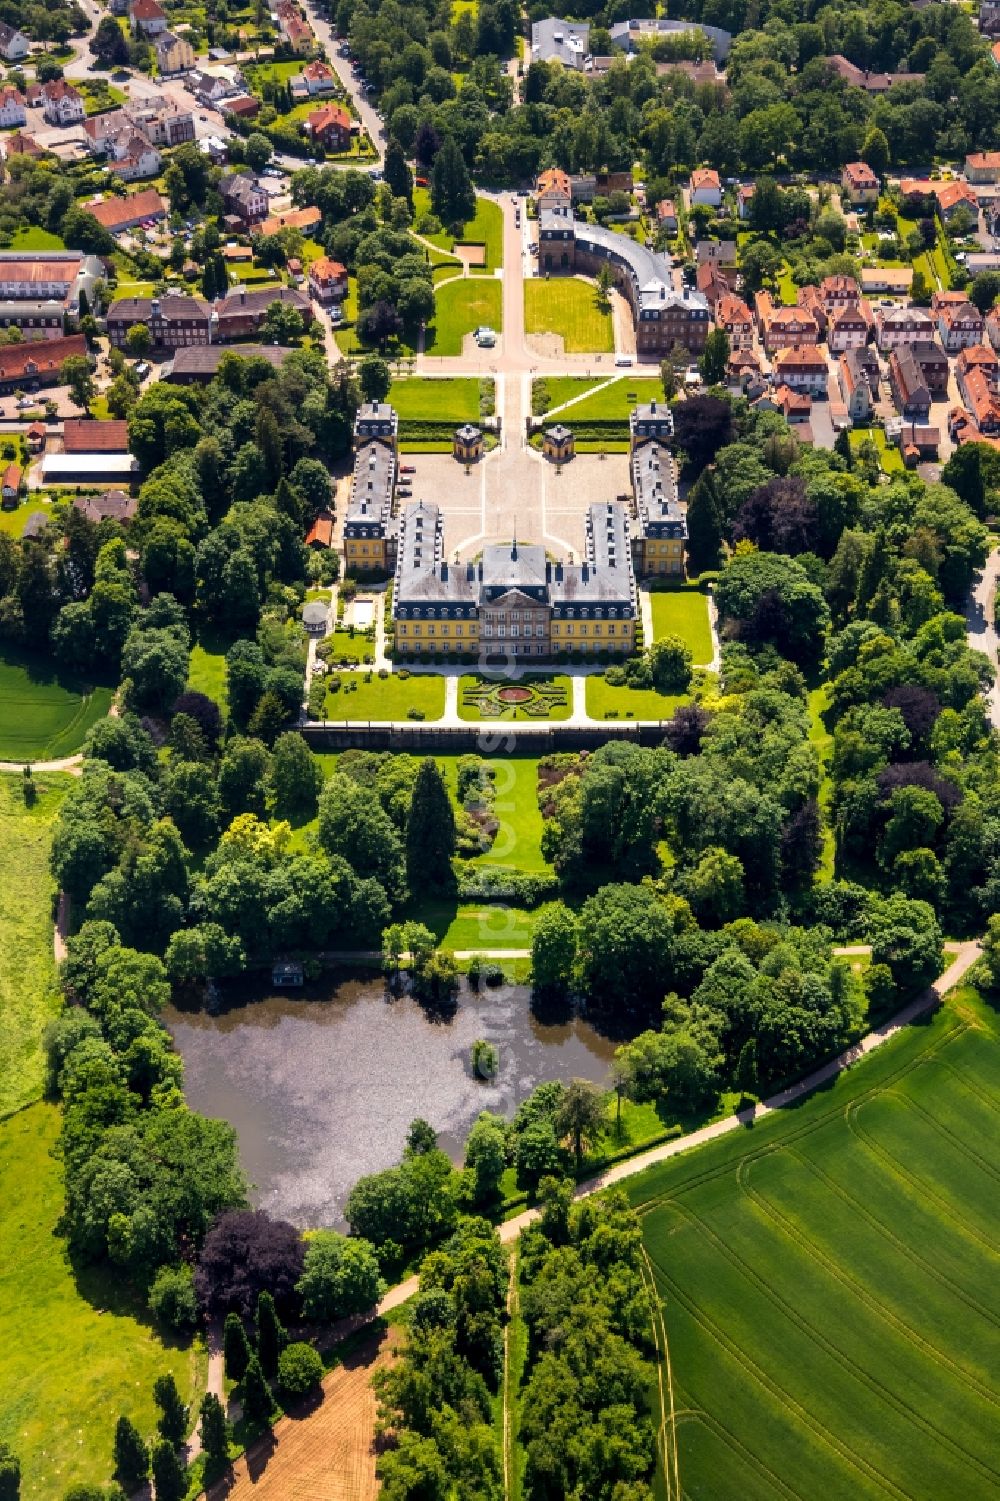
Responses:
[322,1085]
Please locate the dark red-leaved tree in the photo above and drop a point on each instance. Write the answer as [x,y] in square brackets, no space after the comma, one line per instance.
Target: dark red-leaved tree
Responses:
[246,1253]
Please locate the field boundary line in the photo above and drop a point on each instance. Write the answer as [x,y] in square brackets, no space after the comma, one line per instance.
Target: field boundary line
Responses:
[668,1431]
[848,1363]
[859,1289]
[737,1352]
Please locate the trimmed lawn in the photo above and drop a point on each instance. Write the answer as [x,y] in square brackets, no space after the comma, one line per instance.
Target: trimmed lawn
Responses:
[890,459]
[367,696]
[828,1279]
[13,524]
[471,925]
[207,671]
[33,237]
[518,840]
[568,307]
[509,700]
[606,702]
[460,307]
[486,228]
[611,401]
[455,399]
[683,612]
[76,1350]
[346,647]
[28,1001]
[44,714]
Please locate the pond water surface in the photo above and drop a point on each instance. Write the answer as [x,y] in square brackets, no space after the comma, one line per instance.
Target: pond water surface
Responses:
[321,1085]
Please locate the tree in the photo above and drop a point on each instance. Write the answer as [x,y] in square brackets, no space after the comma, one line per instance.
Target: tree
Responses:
[340,1277]
[702,425]
[215,1431]
[246,1252]
[295,777]
[282,323]
[258,1403]
[625,945]
[704,521]
[770,598]
[235,1347]
[75,373]
[875,151]
[430,830]
[138,342]
[973,472]
[379,323]
[604,284]
[300,1370]
[173,1420]
[375,378]
[581,1116]
[905,936]
[760,264]
[715,359]
[553,950]
[131,1455]
[108,43]
[983,293]
[676,1064]
[172,1297]
[169,1475]
[453,197]
[271,1335]
[397,172]
[670,664]
[258,151]
[486,1157]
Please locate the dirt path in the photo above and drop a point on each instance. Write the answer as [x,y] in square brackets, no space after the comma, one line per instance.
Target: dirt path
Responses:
[327,1453]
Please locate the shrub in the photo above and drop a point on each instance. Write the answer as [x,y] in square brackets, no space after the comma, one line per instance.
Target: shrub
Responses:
[300,1370]
[485,1059]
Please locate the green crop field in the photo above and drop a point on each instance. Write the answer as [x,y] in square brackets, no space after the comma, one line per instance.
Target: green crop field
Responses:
[684,612]
[568,307]
[459,308]
[830,1282]
[44,714]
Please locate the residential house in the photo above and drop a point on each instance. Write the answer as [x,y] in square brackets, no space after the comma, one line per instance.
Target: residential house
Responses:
[200,364]
[296,31]
[218,87]
[61,103]
[954,196]
[978,357]
[854,373]
[162,121]
[37,362]
[244,197]
[860,184]
[583,187]
[705,187]
[243,310]
[174,54]
[838,291]
[306,219]
[959,322]
[666,216]
[553,189]
[566,42]
[909,389]
[330,125]
[85,435]
[118,214]
[36,436]
[872,83]
[794,406]
[897,326]
[14,45]
[733,315]
[113,505]
[719,253]
[173,321]
[801,368]
[630,35]
[935,367]
[982,402]
[810,301]
[915,191]
[744,199]
[10,486]
[743,371]
[993,328]
[12,111]
[148,19]
[849,327]
[784,327]
[327,281]
[319,78]
[320,534]
[712,283]
[989,17]
[896,280]
[132,157]
[915,440]
[19,144]
[982,166]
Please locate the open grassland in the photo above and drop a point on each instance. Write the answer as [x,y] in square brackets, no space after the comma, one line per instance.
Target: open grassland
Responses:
[683,612]
[570,308]
[74,1352]
[460,307]
[27,968]
[44,714]
[830,1281]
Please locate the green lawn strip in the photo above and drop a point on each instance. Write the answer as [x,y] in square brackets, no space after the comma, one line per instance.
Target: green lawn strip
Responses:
[459,308]
[607,702]
[207,670]
[33,237]
[345,647]
[828,1277]
[568,307]
[44,714]
[475,925]
[683,612]
[486,228]
[890,459]
[386,698]
[12,523]
[821,738]
[454,399]
[28,999]
[519,836]
[76,1349]
[552,697]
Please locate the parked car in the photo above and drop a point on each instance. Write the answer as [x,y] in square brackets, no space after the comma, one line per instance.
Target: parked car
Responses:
[404,491]
[142,369]
[407,468]
[623,359]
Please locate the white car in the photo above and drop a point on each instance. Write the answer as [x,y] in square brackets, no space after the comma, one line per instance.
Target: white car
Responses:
[623,360]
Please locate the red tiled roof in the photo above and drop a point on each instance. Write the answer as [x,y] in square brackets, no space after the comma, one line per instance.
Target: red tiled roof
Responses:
[115,212]
[39,356]
[84,435]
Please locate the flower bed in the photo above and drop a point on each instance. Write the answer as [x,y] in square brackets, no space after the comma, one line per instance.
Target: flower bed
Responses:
[542,698]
